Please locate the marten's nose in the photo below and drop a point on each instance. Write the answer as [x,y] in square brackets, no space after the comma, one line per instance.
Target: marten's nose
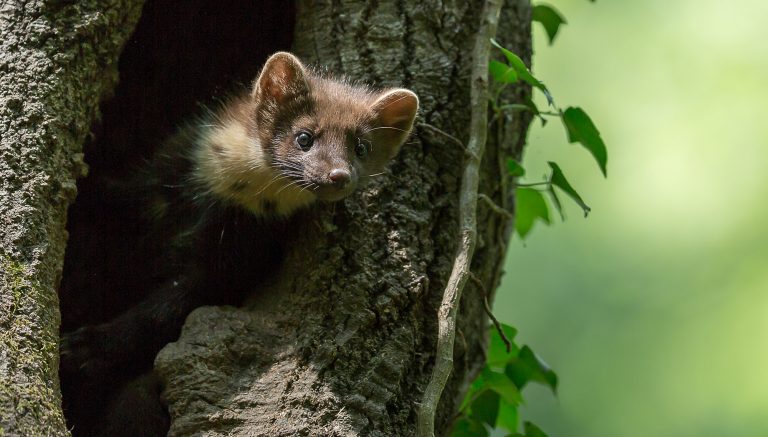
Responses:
[339,177]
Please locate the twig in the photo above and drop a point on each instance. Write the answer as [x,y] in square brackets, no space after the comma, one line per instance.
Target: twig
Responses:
[437,130]
[507,343]
[534,184]
[550,113]
[453,139]
[479,284]
[478,132]
[494,207]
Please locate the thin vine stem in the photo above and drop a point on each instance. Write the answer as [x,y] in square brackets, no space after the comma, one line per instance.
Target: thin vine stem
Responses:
[534,184]
[468,195]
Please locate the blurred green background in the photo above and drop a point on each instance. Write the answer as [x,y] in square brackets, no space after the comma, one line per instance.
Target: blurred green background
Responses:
[654,310]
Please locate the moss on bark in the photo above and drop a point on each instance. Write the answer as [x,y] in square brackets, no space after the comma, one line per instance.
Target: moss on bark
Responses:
[57,59]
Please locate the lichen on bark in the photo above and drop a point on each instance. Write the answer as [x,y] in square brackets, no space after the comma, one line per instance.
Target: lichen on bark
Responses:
[57,59]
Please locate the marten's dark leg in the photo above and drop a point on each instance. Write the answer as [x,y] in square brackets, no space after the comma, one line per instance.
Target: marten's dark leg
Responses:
[96,360]
[132,340]
[136,410]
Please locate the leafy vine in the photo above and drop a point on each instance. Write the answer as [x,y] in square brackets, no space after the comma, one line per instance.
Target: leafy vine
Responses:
[492,401]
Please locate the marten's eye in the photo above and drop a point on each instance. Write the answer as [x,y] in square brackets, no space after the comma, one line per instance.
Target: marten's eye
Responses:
[304,141]
[361,150]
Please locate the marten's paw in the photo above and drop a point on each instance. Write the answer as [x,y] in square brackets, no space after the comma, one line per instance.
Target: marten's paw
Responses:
[82,352]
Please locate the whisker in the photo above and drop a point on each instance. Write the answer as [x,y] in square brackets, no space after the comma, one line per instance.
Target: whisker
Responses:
[309,184]
[291,184]
[274,179]
[304,185]
[256,166]
[292,174]
[385,127]
[289,166]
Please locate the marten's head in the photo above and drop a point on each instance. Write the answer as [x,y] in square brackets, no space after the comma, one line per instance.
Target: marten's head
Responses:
[308,137]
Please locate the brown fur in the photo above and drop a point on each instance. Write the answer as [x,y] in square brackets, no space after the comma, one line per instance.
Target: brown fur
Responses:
[214,204]
[249,153]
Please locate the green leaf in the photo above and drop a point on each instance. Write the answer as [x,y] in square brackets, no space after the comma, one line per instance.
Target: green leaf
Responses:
[502,73]
[581,129]
[501,384]
[558,179]
[532,430]
[531,207]
[509,417]
[535,109]
[529,367]
[477,386]
[498,356]
[485,408]
[515,169]
[550,18]
[466,427]
[556,201]
[522,71]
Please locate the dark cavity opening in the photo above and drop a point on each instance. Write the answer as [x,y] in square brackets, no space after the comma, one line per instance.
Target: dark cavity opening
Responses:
[181,55]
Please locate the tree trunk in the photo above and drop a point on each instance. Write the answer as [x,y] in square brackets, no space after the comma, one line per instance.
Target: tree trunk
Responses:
[57,59]
[343,341]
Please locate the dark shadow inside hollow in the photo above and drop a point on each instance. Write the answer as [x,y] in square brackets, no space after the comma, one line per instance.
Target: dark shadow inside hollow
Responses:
[181,55]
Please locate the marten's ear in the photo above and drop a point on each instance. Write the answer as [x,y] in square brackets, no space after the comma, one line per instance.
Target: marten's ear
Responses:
[394,112]
[283,76]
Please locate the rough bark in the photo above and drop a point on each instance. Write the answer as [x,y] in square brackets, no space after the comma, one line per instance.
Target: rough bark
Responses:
[57,59]
[343,342]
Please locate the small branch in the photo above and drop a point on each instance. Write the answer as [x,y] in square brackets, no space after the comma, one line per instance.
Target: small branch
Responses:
[499,91]
[534,184]
[494,207]
[479,284]
[453,139]
[552,114]
[521,107]
[437,130]
[515,107]
[478,132]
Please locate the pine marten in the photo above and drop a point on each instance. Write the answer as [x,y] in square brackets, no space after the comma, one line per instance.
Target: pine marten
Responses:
[214,197]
